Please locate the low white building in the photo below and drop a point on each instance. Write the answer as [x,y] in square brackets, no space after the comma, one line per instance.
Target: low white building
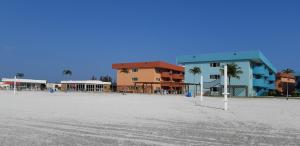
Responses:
[3,85]
[25,84]
[85,85]
[54,86]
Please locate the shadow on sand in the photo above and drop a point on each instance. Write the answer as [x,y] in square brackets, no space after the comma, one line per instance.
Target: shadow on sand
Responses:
[207,106]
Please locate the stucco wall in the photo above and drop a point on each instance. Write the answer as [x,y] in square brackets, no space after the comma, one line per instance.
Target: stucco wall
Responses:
[143,75]
[245,78]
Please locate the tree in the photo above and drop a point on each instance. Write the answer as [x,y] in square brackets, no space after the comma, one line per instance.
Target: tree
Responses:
[106,78]
[67,72]
[288,71]
[93,78]
[195,70]
[19,75]
[233,71]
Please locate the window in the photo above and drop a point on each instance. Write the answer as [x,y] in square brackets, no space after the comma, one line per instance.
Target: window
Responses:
[215,64]
[157,79]
[135,70]
[214,76]
[214,89]
[134,79]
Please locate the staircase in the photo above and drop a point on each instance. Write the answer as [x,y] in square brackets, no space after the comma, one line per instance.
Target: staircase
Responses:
[208,85]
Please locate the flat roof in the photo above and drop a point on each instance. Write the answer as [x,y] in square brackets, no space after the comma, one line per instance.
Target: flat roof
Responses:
[153,64]
[256,56]
[86,82]
[24,80]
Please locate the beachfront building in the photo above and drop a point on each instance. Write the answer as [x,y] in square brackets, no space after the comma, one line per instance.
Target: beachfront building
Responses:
[285,82]
[25,84]
[149,77]
[53,86]
[86,86]
[4,86]
[257,79]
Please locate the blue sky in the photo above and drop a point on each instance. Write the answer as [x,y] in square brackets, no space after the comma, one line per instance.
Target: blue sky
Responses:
[41,38]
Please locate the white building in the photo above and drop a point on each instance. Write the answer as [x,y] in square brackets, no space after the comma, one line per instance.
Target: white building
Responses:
[3,85]
[86,85]
[54,86]
[25,84]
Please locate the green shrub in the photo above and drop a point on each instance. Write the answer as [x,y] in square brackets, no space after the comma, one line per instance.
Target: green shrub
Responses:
[272,93]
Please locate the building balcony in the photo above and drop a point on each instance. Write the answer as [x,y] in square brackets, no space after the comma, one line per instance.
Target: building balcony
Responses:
[178,76]
[166,75]
[271,78]
[171,84]
[260,70]
[260,83]
[272,86]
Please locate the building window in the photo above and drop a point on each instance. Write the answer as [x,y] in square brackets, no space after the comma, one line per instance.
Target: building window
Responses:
[215,64]
[157,79]
[214,76]
[134,79]
[214,89]
[135,70]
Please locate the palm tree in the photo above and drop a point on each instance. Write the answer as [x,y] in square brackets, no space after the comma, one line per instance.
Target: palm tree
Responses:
[233,71]
[19,75]
[288,71]
[195,70]
[67,72]
[93,78]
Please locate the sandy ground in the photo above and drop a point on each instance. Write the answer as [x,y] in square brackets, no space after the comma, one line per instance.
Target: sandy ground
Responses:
[42,118]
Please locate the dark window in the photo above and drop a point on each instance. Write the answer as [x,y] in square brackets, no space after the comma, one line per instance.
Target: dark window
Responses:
[135,70]
[134,79]
[214,76]
[214,89]
[215,64]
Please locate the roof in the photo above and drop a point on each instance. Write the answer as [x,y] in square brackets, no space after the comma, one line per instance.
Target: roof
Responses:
[285,75]
[154,64]
[86,82]
[256,56]
[24,80]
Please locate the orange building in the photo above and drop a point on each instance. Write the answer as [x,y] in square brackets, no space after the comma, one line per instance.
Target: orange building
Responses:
[149,77]
[285,82]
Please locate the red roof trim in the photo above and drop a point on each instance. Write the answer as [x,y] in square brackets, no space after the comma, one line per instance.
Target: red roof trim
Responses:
[155,64]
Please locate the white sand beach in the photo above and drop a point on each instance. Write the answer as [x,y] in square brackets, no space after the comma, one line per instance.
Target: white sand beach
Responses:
[42,118]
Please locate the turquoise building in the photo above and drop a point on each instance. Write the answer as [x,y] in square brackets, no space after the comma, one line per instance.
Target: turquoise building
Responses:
[257,79]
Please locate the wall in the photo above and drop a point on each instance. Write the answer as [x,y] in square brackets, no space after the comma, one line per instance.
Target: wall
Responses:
[245,78]
[143,75]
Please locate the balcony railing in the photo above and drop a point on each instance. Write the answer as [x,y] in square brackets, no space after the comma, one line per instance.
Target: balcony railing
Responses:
[170,75]
[259,70]
[166,75]
[271,78]
[272,86]
[260,83]
[178,76]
